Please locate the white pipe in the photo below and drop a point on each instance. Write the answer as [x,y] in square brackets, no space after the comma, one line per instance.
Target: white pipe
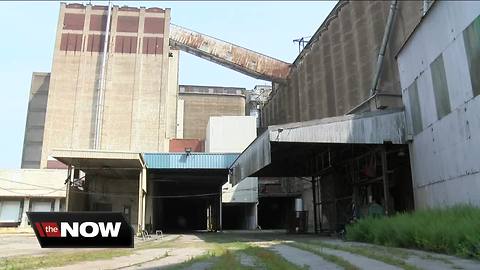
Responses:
[101,90]
[381,54]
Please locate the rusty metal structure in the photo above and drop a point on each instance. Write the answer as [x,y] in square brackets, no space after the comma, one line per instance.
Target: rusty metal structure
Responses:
[232,56]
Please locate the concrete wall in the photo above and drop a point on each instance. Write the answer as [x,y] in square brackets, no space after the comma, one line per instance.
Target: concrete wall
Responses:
[119,193]
[139,101]
[35,124]
[202,102]
[244,192]
[439,69]
[334,73]
[32,183]
[230,134]
[26,190]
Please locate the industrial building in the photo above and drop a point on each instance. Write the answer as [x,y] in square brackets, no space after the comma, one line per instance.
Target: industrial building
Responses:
[23,190]
[367,114]
[197,103]
[440,87]
[168,191]
[364,148]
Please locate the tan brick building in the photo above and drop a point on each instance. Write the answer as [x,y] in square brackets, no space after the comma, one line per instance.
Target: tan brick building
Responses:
[197,103]
[139,72]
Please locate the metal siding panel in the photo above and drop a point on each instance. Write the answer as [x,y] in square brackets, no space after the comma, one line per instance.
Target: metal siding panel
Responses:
[366,128]
[192,161]
[426,98]
[458,75]
[415,108]
[440,87]
[471,37]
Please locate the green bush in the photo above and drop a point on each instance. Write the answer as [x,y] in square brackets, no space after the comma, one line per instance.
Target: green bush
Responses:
[454,230]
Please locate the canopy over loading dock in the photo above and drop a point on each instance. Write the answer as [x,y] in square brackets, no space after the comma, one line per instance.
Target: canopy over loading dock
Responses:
[156,191]
[351,161]
[185,190]
[106,181]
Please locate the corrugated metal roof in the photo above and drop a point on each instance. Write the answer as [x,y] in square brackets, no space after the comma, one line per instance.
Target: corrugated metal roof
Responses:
[192,161]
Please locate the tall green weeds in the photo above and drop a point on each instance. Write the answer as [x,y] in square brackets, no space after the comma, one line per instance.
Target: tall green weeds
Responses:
[454,230]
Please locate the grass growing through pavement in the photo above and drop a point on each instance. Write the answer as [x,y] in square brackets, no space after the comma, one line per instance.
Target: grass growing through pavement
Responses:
[370,253]
[223,256]
[453,230]
[270,260]
[331,258]
[228,261]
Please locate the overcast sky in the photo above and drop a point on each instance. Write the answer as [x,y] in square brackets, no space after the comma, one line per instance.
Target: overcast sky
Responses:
[28,34]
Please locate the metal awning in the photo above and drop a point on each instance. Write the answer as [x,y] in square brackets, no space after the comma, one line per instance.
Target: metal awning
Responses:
[266,155]
[195,161]
[95,160]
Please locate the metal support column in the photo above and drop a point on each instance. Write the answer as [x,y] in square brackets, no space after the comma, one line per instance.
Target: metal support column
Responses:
[383,154]
[68,182]
[220,208]
[314,194]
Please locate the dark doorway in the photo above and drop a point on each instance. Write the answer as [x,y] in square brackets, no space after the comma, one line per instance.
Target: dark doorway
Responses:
[186,201]
[238,216]
[185,214]
[273,212]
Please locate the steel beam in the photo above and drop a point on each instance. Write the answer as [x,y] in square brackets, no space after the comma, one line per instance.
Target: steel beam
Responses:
[232,56]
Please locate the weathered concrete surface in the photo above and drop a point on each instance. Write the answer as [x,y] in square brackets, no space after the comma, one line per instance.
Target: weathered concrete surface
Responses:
[139,102]
[334,72]
[246,260]
[359,261]
[201,102]
[422,259]
[301,258]
[35,124]
[175,256]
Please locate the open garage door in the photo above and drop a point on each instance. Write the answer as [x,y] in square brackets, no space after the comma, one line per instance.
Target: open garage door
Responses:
[182,203]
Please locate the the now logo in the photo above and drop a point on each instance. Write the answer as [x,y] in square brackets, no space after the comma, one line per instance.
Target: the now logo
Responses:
[81,229]
[76,229]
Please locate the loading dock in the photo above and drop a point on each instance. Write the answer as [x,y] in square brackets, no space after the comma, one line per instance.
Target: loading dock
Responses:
[156,191]
[273,212]
[185,200]
[185,190]
[351,161]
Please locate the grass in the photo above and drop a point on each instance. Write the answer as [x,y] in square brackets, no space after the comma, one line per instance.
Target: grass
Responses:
[270,260]
[71,257]
[60,259]
[229,261]
[331,258]
[220,252]
[453,230]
